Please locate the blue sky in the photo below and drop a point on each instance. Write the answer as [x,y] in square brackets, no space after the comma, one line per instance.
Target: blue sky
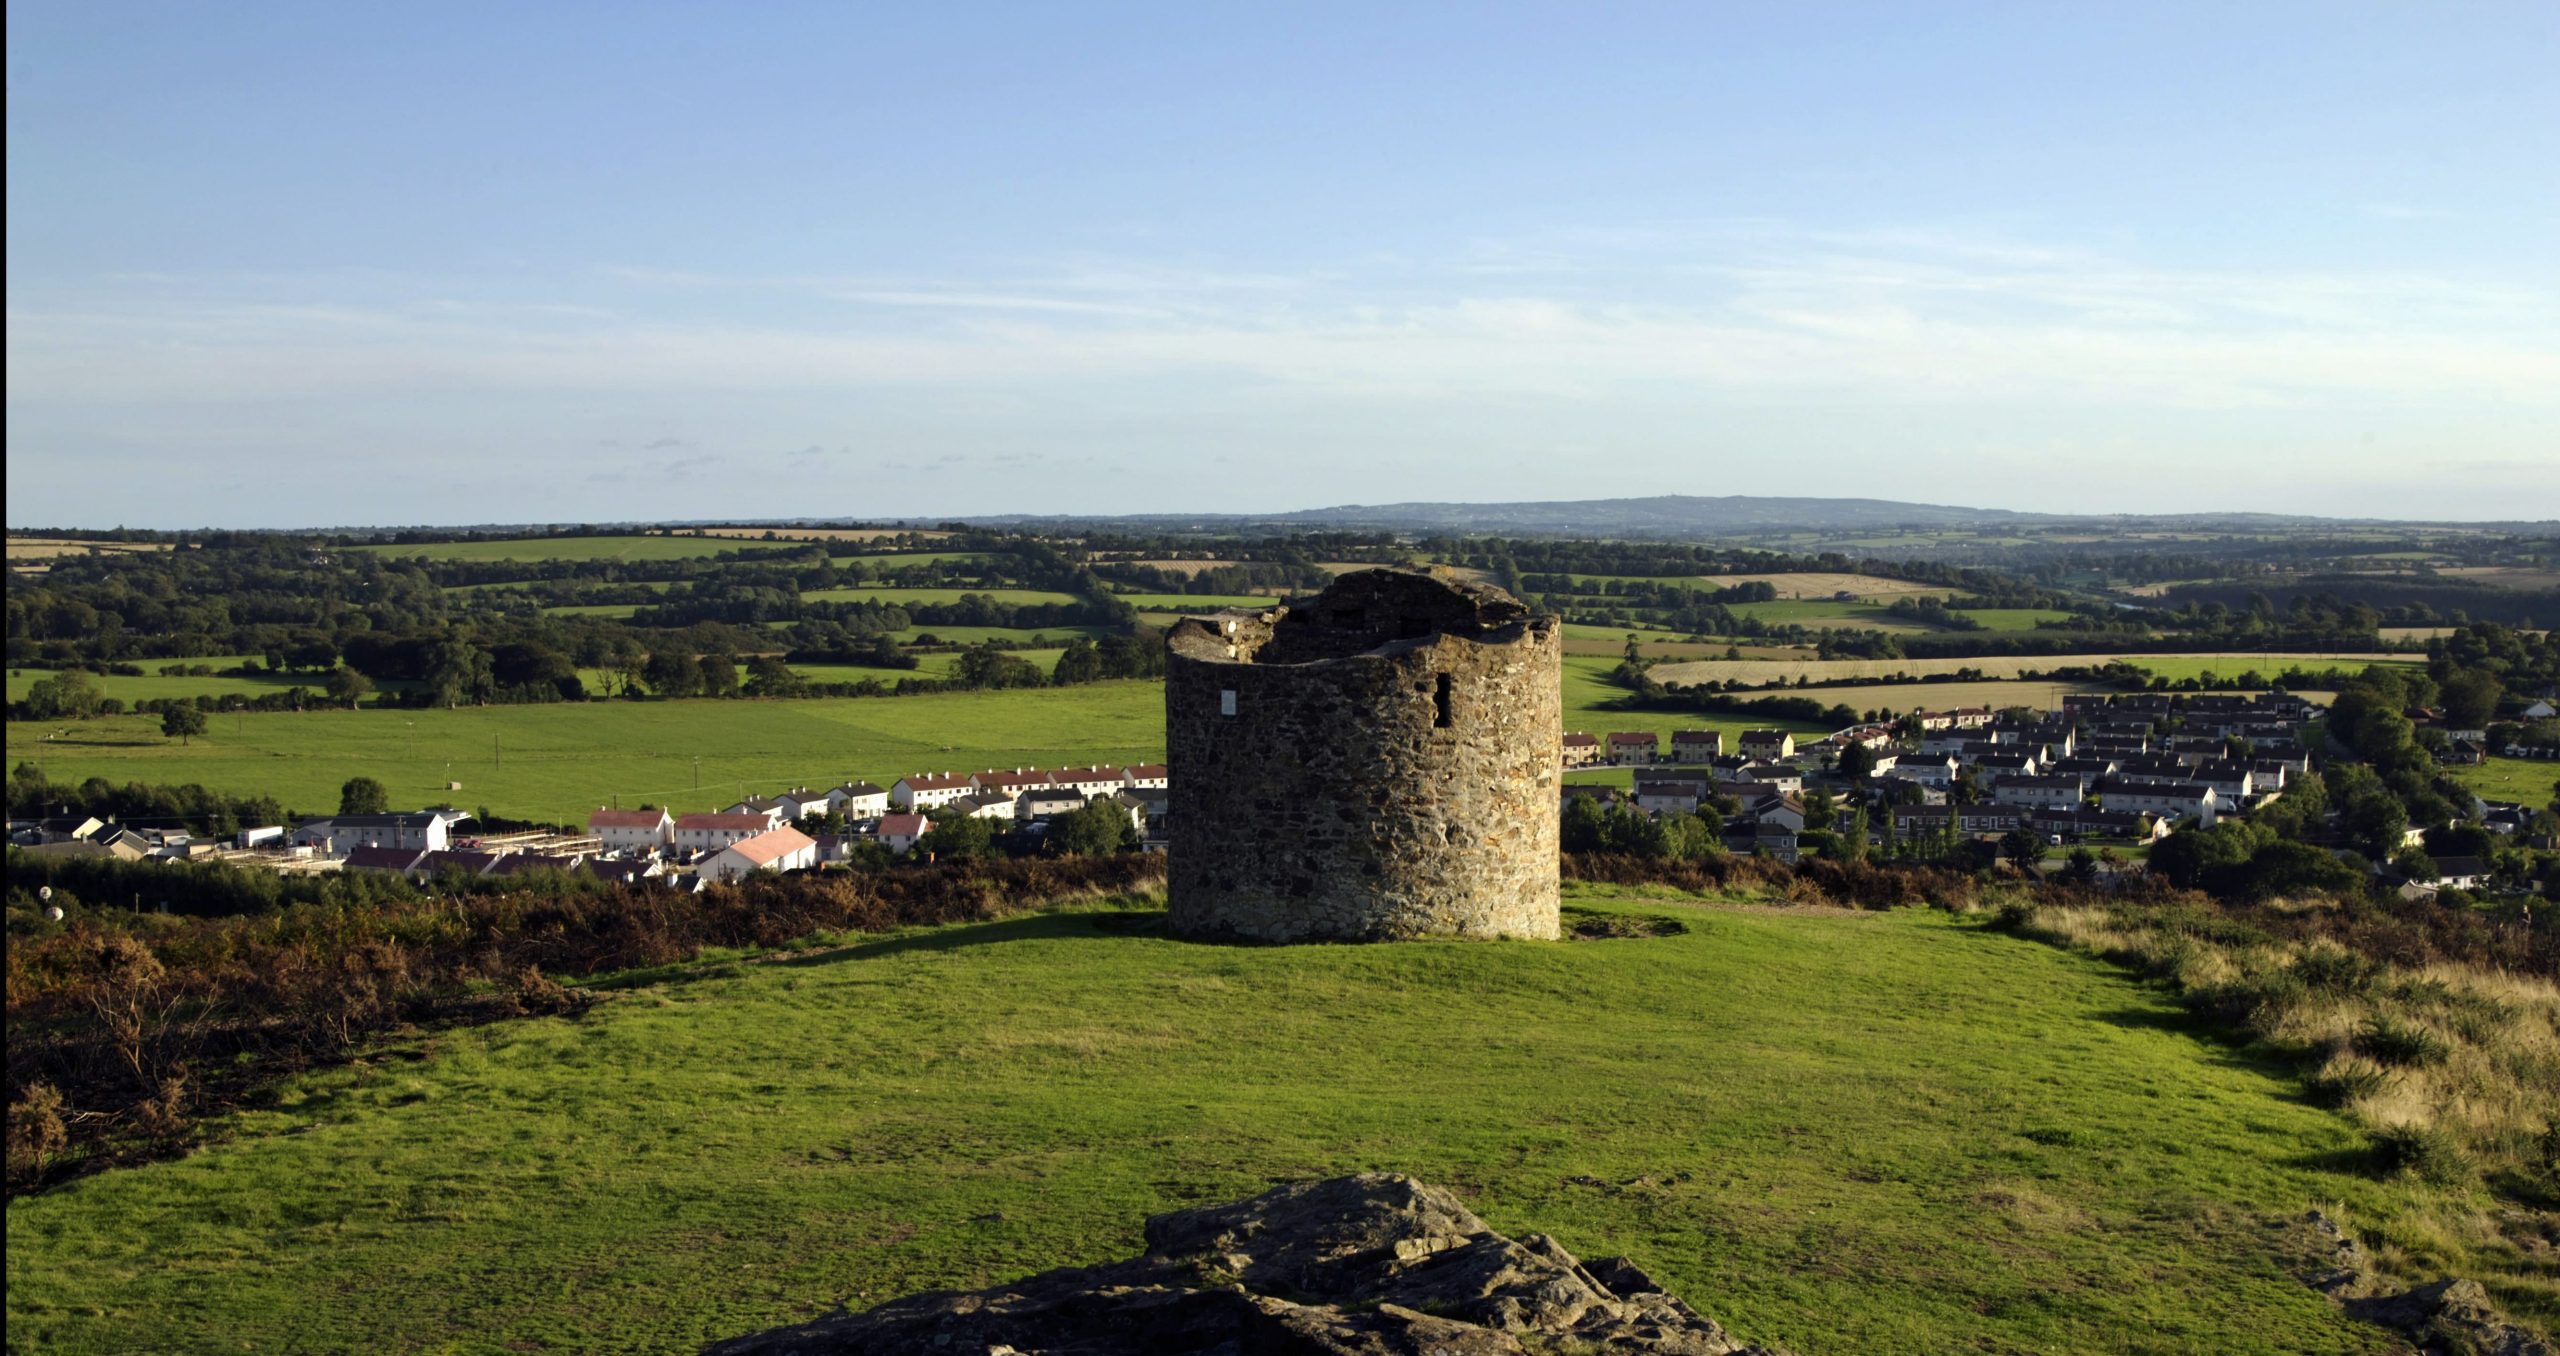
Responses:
[329,264]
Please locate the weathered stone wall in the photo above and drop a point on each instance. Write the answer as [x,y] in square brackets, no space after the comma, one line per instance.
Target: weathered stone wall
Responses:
[1379,763]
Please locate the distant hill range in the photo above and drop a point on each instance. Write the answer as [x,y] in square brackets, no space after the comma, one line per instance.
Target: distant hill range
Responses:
[1669,515]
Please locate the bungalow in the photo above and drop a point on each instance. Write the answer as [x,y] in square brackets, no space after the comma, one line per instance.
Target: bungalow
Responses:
[2461,873]
[2183,800]
[1581,750]
[1665,798]
[418,830]
[710,833]
[900,833]
[1768,744]
[631,830]
[782,849]
[858,800]
[1044,802]
[925,790]
[2040,793]
[1696,747]
[1634,748]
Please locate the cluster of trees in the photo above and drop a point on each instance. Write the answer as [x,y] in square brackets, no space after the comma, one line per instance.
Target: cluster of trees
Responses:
[191,807]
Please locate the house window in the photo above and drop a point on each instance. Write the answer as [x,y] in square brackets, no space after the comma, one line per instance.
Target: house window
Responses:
[1442,719]
[1227,701]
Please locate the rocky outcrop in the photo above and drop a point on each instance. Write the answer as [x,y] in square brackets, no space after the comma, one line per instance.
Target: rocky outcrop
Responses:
[1373,1265]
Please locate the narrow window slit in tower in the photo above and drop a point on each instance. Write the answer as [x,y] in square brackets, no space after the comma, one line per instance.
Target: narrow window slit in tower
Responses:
[1446,681]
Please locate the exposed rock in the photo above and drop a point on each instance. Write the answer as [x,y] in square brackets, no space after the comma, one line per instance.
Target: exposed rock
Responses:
[1373,1265]
[2450,1316]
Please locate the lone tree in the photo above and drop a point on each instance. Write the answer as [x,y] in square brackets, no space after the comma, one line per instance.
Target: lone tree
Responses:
[363,796]
[2023,847]
[1098,829]
[347,687]
[182,723]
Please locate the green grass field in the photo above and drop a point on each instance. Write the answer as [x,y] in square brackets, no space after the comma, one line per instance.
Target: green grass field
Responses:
[904,559]
[1184,603]
[1823,614]
[1011,635]
[560,762]
[575,548]
[152,685]
[1846,1133]
[2524,780]
[2014,618]
[886,594]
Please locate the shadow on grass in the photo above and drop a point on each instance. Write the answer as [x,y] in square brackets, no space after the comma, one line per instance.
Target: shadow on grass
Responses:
[1061,925]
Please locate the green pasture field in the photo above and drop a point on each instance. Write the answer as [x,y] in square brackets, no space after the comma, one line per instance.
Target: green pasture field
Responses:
[898,560]
[2174,667]
[153,686]
[1185,603]
[1011,635]
[1588,692]
[2525,780]
[1825,614]
[2014,618]
[1841,1132]
[560,762]
[575,548]
[591,610]
[886,594]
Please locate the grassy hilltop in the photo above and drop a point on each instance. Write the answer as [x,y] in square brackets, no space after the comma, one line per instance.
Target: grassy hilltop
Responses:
[1849,1133]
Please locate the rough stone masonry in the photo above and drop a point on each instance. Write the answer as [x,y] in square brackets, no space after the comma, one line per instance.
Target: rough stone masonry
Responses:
[1377,763]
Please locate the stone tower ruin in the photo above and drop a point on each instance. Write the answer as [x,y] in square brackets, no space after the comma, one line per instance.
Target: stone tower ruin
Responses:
[1378,762]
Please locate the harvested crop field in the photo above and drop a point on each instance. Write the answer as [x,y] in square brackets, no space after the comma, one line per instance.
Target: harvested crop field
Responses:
[49,548]
[1764,673]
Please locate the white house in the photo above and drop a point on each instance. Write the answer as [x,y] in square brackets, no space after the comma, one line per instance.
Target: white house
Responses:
[2184,800]
[1045,801]
[983,805]
[1933,770]
[925,790]
[1092,781]
[710,833]
[899,833]
[1634,747]
[2040,793]
[632,830]
[858,800]
[776,810]
[782,849]
[1145,777]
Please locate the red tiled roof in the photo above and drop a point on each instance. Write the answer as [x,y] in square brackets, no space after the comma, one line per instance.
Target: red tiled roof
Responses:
[934,781]
[1579,739]
[772,846]
[626,819]
[1139,771]
[1632,739]
[904,826]
[1030,777]
[753,823]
